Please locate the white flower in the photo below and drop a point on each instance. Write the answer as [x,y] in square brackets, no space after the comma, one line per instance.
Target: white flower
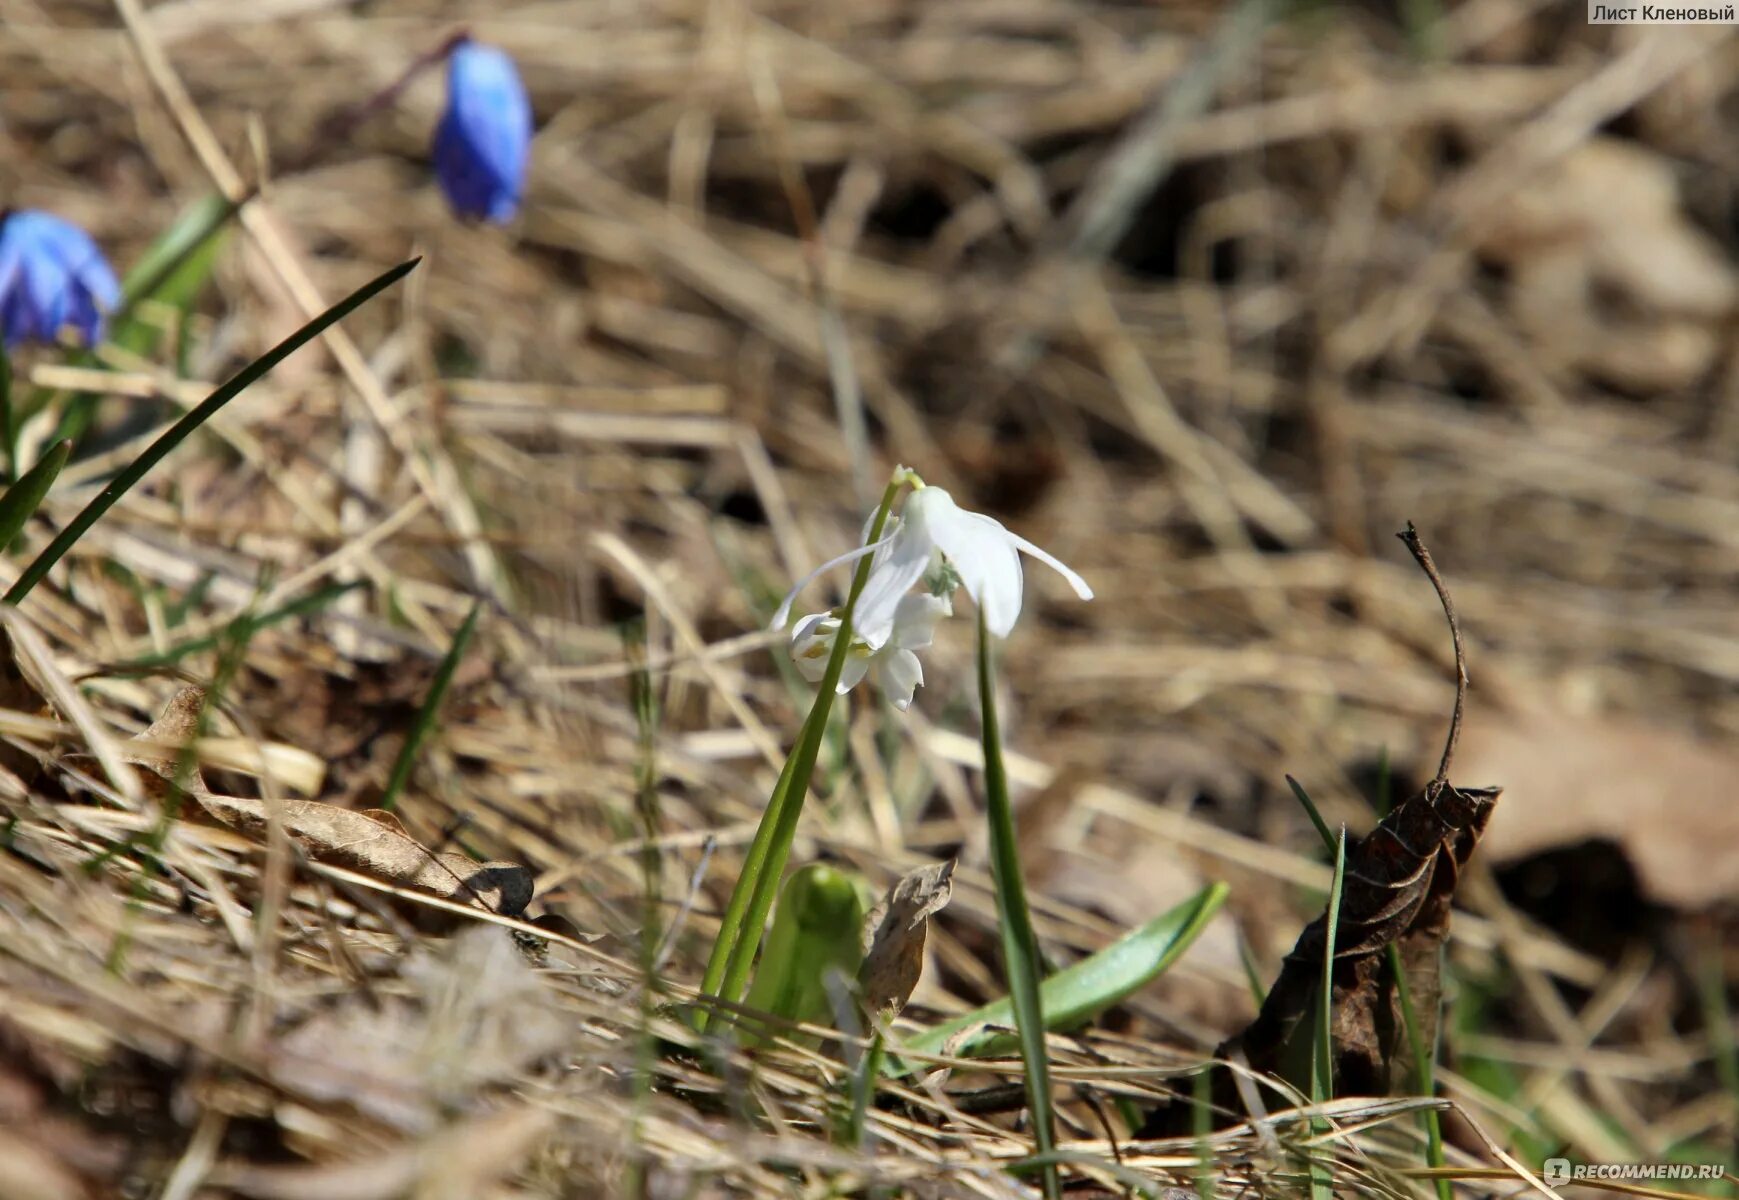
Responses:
[932,531]
[984,555]
[897,669]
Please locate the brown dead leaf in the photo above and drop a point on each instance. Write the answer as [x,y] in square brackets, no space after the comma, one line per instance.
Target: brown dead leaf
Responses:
[1398,889]
[373,842]
[1664,798]
[894,935]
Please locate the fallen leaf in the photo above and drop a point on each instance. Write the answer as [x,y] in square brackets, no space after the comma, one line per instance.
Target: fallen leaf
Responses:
[894,935]
[1666,799]
[373,842]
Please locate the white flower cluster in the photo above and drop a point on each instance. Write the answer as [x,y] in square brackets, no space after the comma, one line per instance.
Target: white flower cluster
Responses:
[935,542]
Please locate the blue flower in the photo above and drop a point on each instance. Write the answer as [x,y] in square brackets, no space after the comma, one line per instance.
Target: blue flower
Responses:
[51,275]
[484,138]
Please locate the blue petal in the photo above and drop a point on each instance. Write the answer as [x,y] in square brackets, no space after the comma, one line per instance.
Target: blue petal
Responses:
[52,274]
[484,139]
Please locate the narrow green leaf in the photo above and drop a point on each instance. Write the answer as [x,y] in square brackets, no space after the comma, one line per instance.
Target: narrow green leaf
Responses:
[173,270]
[1322,1062]
[425,722]
[1312,813]
[303,606]
[1423,1072]
[1202,1122]
[1020,944]
[739,935]
[177,433]
[1324,1078]
[25,497]
[863,1090]
[817,928]
[8,418]
[1078,993]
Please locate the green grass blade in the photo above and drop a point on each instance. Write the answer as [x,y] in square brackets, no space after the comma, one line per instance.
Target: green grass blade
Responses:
[173,269]
[863,1090]
[25,497]
[1423,1072]
[1081,992]
[739,935]
[1020,945]
[303,606]
[1311,811]
[425,722]
[8,418]
[177,433]
[1322,1062]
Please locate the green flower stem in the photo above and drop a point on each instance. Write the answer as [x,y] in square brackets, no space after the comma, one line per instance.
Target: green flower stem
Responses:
[733,952]
[1020,946]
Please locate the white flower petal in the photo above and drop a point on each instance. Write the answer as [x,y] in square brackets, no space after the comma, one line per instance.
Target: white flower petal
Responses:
[1056,564]
[915,619]
[852,673]
[900,673]
[983,555]
[812,642]
[907,559]
[784,613]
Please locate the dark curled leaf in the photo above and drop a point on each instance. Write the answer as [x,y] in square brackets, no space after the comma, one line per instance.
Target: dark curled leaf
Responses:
[1399,889]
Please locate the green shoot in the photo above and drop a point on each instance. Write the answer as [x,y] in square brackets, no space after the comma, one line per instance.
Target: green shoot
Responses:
[817,928]
[1322,1063]
[8,418]
[420,728]
[178,432]
[25,497]
[1310,811]
[1423,1072]
[739,935]
[863,1090]
[313,602]
[1020,945]
[173,270]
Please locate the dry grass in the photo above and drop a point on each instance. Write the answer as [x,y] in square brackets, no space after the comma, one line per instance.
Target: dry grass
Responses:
[1373,284]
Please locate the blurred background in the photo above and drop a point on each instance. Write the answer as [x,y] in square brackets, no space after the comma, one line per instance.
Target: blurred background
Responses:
[1207,299]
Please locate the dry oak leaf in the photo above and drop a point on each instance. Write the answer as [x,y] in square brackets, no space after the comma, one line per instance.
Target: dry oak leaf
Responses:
[373,842]
[1666,799]
[894,935]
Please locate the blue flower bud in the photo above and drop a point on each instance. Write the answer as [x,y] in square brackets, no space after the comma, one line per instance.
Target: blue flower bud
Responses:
[484,138]
[51,275]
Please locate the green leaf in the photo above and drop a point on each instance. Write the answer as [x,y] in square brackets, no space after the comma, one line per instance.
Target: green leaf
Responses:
[1322,1062]
[401,768]
[8,418]
[733,950]
[1311,811]
[817,928]
[173,270]
[1423,1057]
[177,433]
[1020,944]
[25,497]
[1077,994]
[249,623]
